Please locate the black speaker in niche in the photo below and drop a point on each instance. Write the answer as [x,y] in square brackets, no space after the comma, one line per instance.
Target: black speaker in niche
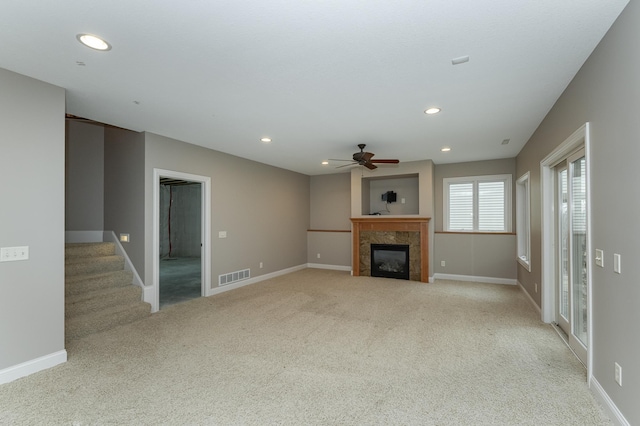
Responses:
[389,197]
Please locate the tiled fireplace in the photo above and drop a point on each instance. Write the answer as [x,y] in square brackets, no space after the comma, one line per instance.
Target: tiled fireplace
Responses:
[411,231]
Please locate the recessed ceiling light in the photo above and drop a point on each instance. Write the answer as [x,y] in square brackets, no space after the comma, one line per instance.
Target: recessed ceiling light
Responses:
[433,110]
[265,140]
[93,42]
[324,163]
[445,149]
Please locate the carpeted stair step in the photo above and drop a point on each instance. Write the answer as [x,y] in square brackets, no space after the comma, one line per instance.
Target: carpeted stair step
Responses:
[86,283]
[94,301]
[105,319]
[93,265]
[75,250]
[99,294]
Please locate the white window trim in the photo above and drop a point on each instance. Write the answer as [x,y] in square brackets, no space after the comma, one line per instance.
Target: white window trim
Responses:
[506,178]
[523,220]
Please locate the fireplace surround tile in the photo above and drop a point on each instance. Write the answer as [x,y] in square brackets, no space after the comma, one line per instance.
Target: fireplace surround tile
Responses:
[383,230]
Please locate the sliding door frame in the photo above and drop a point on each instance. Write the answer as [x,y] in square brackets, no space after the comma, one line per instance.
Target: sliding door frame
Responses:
[580,138]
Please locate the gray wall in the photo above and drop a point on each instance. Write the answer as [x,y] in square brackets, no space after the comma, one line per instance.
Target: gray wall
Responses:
[330,204]
[84,167]
[124,190]
[478,255]
[263,209]
[31,292]
[606,93]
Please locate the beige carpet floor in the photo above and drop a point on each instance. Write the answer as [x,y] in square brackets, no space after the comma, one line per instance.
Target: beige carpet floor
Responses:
[319,347]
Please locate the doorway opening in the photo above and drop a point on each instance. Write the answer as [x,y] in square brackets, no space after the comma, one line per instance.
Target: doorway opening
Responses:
[181,261]
[180,240]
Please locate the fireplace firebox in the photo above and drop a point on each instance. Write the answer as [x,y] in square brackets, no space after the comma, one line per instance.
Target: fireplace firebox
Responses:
[390,261]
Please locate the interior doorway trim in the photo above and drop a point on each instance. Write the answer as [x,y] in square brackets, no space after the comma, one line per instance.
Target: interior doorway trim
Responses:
[205,229]
[580,138]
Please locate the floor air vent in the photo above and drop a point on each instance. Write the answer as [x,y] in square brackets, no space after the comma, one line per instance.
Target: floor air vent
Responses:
[232,277]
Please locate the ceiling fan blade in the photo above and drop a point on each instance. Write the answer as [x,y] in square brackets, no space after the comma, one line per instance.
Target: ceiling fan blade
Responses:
[347,165]
[369,165]
[385,161]
[338,159]
[366,156]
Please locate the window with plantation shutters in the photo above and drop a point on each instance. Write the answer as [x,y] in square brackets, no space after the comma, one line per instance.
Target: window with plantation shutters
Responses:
[477,204]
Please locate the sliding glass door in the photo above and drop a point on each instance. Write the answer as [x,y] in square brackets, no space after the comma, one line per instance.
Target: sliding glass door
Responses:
[571,254]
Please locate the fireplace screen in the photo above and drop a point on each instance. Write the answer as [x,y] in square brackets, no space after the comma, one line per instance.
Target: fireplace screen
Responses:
[390,261]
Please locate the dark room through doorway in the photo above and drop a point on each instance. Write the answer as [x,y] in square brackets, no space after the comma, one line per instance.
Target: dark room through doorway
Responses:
[180,241]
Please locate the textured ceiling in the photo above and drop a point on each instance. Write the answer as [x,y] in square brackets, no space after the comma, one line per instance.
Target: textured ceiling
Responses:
[318,77]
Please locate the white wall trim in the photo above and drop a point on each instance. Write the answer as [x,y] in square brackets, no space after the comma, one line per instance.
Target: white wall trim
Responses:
[526,293]
[83,236]
[488,280]
[254,280]
[110,236]
[154,289]
[27,368]
[610,408]
[331,267]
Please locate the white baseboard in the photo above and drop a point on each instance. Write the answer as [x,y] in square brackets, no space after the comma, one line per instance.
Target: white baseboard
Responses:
[331,267]
[149,296]
[83,236]
[533,302]
[603,398]
[488,280]
[254,280]
[27,368]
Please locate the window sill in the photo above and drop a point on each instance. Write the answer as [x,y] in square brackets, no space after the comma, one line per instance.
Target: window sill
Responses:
[475,233]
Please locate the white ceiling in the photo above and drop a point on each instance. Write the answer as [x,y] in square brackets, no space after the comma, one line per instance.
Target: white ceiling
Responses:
[317,76]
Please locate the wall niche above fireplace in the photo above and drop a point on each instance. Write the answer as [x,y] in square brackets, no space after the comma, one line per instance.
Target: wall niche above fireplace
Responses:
[405,186]
[362,180]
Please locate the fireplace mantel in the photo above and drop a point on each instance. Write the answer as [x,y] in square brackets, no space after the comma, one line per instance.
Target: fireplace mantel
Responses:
[392,224]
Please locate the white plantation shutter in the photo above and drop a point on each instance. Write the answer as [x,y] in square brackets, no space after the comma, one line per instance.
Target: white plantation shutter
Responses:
[478,204]
[491,215]
[579,185]
[461,207]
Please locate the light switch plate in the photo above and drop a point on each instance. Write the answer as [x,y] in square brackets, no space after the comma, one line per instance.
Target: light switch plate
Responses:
[599,258]
[10,254]
[616,263]
[222,234]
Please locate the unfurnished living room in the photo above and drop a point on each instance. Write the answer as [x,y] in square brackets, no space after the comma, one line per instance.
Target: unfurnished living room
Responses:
[321,212]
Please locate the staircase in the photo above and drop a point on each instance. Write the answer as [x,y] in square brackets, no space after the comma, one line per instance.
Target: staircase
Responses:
[98,291]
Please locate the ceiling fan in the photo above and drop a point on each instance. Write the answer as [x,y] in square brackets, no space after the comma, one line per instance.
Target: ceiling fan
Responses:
[364,159]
